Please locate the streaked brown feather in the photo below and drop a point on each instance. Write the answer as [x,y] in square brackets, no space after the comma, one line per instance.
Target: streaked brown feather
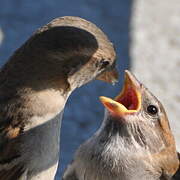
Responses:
[16,173]
[177,175]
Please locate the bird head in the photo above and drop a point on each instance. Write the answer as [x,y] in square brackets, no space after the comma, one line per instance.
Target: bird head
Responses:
[91,55]
[73,49]
[139,120]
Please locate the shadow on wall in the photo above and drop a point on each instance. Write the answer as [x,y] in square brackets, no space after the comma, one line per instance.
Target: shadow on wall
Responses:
[84,112]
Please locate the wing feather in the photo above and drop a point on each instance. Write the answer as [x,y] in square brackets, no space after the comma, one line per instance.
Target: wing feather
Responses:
[177,175]
[69,173]
[15,173]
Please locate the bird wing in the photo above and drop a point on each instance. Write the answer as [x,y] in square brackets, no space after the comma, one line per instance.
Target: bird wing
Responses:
[15,173]
[11,166]
[177,175]
[69,173]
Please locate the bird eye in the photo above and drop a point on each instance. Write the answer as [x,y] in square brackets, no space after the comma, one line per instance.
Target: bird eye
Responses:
[104,63]
[151,109]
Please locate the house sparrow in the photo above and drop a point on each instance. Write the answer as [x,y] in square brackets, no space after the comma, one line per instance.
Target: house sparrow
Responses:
[134,141]
[34,86]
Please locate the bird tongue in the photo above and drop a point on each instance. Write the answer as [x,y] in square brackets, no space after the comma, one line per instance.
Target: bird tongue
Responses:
[129,99]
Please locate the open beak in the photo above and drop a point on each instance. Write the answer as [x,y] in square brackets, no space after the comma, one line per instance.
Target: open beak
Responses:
[109,76]
[129,99]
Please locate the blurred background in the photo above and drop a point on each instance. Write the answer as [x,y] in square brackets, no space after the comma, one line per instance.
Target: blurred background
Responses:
[146,35]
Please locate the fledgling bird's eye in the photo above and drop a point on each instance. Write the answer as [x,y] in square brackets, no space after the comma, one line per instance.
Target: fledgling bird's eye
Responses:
[151,109]
[104,63]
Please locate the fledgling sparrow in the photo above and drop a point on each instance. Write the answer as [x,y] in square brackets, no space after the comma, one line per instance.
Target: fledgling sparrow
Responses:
[134,142]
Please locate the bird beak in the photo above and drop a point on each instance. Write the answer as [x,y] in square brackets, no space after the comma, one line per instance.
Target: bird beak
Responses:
[129,99]
[109,76]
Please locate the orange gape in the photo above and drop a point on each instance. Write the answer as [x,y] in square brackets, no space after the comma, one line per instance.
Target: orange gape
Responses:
[134,142]
[128,103]
[129,99]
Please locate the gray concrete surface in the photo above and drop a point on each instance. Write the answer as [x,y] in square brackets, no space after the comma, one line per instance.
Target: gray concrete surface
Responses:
[155,53]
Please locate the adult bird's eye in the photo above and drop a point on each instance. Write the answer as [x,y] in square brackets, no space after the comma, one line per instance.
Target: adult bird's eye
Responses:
[151,109]
[104,63]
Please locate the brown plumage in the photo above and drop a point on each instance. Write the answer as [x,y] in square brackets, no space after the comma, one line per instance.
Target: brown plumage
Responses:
[177,174]
[34,86]
[134,142]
